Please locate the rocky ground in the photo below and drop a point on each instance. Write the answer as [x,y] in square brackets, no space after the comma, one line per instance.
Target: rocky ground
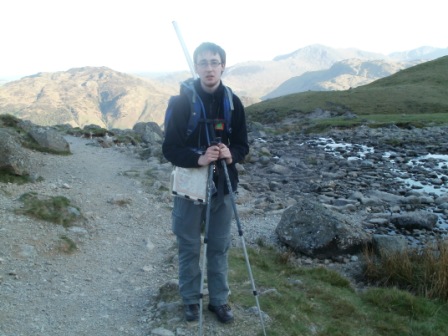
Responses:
[376,175]
[126,252]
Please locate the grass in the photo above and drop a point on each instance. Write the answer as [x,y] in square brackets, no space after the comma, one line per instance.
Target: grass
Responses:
[8,120]
[7,177]
[55,209]
[67,245]
[422,272]
[414,97]
[303,301]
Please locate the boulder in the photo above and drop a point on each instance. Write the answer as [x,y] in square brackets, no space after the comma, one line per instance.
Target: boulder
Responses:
[13,157]
[415,220]
[311,229]
[49,139]
[149,131]
[385,244]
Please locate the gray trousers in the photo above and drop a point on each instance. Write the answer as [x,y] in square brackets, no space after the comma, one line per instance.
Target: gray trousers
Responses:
[188,219]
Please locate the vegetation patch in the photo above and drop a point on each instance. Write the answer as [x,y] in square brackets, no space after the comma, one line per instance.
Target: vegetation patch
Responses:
[55,209]
[422,272]
[7,177]
[128,139]
[76,131]
[318,301]
[67,245]
[8,120]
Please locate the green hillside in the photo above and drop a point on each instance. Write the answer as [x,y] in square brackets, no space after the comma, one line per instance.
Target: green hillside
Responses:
[415,95]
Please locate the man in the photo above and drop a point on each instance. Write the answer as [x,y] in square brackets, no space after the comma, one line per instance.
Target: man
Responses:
[201,149]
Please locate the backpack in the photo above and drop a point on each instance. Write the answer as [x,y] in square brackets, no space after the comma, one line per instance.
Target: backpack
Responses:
[197,107]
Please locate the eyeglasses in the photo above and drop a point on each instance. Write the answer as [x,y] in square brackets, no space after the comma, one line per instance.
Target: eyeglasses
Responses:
[205,64]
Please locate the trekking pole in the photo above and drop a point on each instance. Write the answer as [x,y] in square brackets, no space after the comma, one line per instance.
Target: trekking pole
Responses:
[204,257]
[185,49]
[240,233]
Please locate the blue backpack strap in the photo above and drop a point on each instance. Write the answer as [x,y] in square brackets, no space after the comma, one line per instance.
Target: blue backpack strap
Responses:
[169,110]
[197,107]
[187,88]
[228,108]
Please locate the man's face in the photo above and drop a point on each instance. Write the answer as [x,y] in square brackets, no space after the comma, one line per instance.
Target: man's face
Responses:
[209,68]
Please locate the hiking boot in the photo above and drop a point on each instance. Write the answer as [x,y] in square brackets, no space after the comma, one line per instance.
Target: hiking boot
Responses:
[223,313]
[191,312]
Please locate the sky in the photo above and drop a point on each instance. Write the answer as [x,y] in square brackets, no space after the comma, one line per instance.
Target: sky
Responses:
[138,35]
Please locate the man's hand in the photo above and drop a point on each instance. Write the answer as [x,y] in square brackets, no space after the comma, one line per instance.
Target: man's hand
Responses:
[214,153]
[211,155]
[224,153]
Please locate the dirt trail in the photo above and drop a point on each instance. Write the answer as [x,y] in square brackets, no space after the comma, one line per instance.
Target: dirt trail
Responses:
[105,287]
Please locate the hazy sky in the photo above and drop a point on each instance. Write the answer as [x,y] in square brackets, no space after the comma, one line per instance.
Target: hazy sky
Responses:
[138,35]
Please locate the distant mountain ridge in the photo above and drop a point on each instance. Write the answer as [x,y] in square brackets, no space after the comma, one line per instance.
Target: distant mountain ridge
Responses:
[327,55]
[262,78]
[341,75]
[82,96]
[422,53]
[111,99]
[256,79]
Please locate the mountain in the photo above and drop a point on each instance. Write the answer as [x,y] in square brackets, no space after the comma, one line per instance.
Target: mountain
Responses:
[341,75]
[403,97]
[256,79]
[82,96]
[422,53]
[111,99]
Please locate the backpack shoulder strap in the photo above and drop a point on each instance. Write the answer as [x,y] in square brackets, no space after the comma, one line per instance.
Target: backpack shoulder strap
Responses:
[169,110]
[188,89]
[228,108]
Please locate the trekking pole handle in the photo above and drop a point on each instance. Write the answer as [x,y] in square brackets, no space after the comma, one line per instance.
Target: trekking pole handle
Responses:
[217,141]
[185,49]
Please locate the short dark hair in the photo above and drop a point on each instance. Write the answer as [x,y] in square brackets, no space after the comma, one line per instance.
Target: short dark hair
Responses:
[213,48]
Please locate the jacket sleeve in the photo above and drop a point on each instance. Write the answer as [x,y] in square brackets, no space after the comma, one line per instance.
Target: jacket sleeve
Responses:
[174,146]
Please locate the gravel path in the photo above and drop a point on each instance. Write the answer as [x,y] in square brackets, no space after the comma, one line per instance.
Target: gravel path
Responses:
[104,287]
[126,252]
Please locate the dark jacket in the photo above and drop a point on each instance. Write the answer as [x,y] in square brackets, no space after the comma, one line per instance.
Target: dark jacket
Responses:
[184,151]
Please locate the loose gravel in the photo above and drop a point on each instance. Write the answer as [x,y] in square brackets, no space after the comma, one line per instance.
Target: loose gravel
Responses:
[125,252]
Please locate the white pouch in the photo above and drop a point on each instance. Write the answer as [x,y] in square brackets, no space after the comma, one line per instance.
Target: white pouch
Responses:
[190,183]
